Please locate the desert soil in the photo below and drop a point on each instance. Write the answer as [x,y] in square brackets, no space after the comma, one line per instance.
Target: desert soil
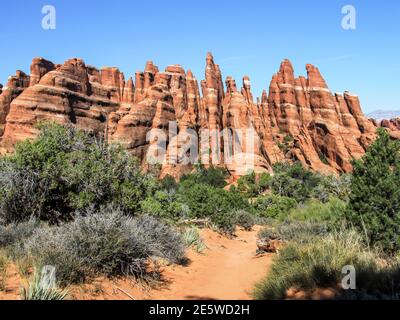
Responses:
[227,269]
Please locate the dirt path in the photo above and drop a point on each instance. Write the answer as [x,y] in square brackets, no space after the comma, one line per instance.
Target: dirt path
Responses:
[228,269]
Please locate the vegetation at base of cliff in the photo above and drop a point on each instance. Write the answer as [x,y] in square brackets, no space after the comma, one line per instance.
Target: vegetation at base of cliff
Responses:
[374,205]
[65,170]
[40,289]
[104,242]
[359,227]
[71,200]
[313,261]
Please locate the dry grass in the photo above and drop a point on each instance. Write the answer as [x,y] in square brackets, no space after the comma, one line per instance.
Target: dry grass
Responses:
[318,262]
[3,269]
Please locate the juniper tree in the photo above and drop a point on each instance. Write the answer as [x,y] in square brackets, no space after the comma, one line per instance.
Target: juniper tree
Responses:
[374,205]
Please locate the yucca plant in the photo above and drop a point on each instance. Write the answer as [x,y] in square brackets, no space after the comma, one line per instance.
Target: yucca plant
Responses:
[191,238]
[42,288]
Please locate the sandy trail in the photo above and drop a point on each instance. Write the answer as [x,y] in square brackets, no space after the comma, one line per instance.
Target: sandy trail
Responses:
[228,269]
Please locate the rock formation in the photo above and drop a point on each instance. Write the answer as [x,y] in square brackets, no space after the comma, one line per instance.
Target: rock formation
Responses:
[393,126]
[169,118]
[15,86]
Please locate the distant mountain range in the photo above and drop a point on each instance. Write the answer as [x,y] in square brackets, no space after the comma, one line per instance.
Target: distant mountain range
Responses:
[384,114]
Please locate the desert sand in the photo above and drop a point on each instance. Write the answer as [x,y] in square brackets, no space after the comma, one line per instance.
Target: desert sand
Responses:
[228,269]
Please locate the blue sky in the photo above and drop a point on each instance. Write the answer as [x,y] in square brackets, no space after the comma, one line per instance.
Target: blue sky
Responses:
[246,37]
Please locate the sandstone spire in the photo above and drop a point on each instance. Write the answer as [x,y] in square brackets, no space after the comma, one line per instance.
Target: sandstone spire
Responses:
[299,119]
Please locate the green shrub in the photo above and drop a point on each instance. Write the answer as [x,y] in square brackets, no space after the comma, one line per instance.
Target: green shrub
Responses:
[313,210]
[374,206]
[212,176]
[168,183]
[294,181]
[164,204]
[273,206]
[288,138]
[248,184]
[103,243]
[228,220]
[252,186]
[332,187]
[66,169]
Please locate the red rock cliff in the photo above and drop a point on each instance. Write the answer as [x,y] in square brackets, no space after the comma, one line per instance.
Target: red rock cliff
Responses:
[300,119]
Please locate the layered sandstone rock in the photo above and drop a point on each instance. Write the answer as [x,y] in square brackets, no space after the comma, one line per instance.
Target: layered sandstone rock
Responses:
[392,126]
[328,130]
[39,68]
[64,95]
[15,86]
[168,117]
[131,127]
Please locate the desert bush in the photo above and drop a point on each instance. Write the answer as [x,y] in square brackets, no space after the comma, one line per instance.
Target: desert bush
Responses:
[206,201]
[301,231]
[192,200]
[318,264]
[294,181]
[66,169]
[163,241]
[267,233]
[50,246]
[104,242]
[164,204]
[309,220]
[292,230]
[245,219]
[17,232]
[22,192]
[332,187]
[228,220]
[273,206]
[374,206]
[39,289]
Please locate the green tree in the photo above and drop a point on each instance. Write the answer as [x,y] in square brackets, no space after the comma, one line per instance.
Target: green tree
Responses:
[374,205]
[294,181]
[66,169]
[212,176]
[272,206]
[253,185]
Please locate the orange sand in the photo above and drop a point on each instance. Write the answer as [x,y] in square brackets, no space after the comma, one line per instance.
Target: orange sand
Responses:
[227,269]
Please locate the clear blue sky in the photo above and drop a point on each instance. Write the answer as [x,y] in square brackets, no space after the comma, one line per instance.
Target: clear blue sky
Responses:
[246,37]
